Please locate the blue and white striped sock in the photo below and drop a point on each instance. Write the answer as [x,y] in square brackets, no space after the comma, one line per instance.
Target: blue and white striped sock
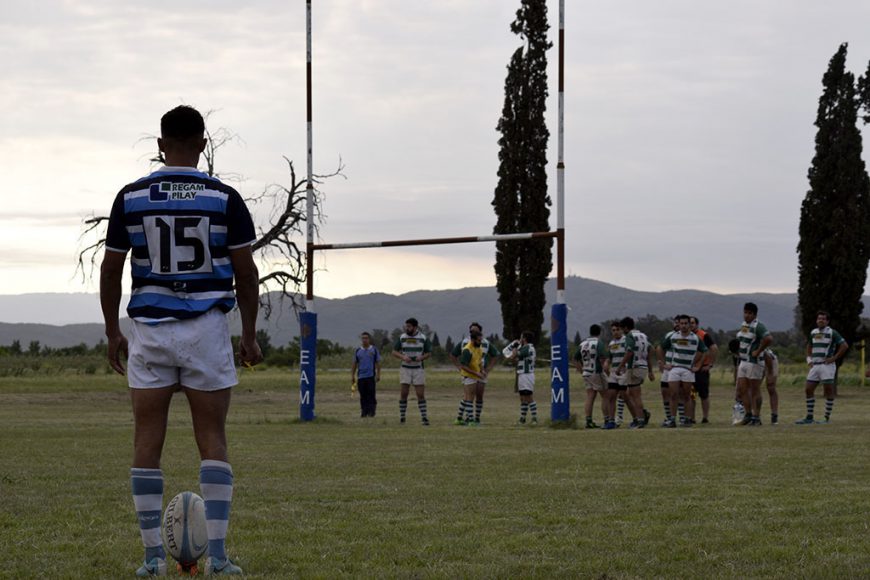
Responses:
[216,484]
[147,485]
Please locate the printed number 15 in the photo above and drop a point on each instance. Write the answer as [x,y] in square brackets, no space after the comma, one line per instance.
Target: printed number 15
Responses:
[180,224]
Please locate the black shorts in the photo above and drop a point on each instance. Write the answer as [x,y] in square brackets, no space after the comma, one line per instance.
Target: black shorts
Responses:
[617,387]
[526,393]
[702,384]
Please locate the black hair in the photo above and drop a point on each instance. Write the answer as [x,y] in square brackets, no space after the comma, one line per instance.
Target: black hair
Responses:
[751,307]
[695,318]
[594,330]
[477,324]
[627,323]
[528,335]
[182,123]
[365,333]
[412,321]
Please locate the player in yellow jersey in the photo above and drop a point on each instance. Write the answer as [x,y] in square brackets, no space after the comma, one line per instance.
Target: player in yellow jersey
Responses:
[473,371]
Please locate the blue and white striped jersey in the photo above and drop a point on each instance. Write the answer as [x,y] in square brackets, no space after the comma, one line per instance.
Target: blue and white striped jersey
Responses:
[180,225]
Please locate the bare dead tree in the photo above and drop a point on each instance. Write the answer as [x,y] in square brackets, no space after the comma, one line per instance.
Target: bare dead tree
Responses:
[277,242]
[280,246]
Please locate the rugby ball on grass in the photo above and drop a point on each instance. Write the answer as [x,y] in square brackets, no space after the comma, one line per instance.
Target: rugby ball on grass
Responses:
[185,536]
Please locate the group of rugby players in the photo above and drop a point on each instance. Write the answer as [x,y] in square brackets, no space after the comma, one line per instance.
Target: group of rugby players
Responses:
[684,356]
[617,370]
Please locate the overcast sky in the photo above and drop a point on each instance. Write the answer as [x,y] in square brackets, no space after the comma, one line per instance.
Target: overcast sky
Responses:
[683,118]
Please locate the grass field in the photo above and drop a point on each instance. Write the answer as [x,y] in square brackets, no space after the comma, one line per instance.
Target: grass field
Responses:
[343,497]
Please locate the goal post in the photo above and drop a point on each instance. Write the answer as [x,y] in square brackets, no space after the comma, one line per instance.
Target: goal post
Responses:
[559,383]
[560,408]
[308,322]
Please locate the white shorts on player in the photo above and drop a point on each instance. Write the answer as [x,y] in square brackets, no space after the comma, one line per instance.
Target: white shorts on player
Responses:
[750,370]
[823,373]
[636,376]
[617,379]
[595,381]
[681,375]
[526,382]
[177,353]
[413,376]
[774,371]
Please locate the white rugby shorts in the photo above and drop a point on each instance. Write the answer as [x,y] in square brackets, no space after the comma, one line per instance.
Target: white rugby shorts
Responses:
[681,374]
[595,381]
[195,353]
[526,382]
[413,376]
[823,373]
[774,371]
[618,379]
[750,370]
[636,376]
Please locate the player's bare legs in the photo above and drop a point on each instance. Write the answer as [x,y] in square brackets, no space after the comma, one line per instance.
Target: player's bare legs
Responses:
[208,409]
[150,415]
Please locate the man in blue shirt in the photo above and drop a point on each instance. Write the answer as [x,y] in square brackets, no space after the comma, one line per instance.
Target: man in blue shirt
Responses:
[365,373]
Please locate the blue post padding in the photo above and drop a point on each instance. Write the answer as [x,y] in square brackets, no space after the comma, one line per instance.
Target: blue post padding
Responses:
[560,409]
[307,364]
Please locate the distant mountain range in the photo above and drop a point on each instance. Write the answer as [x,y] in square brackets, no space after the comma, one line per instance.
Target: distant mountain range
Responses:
[58,320]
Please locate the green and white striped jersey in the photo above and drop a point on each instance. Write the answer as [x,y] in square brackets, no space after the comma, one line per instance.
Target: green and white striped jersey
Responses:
[526,360]
[669,351]
[616,352]
[685,347]
[750,336]
[638,343]
[591,354]
[414,346]
[824,342]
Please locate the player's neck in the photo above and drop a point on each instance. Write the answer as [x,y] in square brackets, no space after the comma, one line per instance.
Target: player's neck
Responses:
[181,160]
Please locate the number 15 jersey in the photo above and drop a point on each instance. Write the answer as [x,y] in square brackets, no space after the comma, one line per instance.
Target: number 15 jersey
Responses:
[180,225]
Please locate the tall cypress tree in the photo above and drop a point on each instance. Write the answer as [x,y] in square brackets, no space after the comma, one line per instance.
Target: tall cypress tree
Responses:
[834,245]
[864,94]
[521,201]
